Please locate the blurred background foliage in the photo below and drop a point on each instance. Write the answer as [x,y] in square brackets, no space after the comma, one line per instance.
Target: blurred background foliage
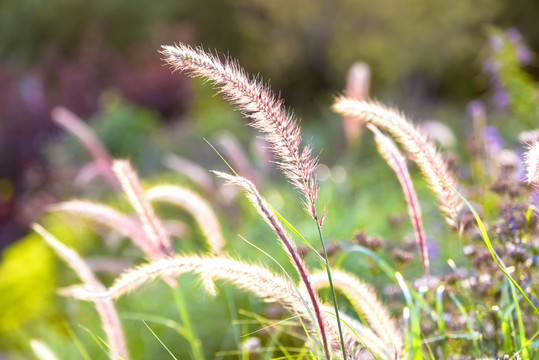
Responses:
[99,59]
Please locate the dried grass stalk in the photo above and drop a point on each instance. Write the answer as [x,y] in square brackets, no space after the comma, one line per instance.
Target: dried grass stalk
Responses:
[195,205]
[105,307]
[262,207]
[532,163]
[255,279]
[397,162]
[421,151]
[72,123]
[153,228]
[258,102]
[103,214]
[364,300]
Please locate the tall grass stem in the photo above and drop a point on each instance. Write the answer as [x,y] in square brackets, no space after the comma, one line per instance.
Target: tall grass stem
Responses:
[328,270]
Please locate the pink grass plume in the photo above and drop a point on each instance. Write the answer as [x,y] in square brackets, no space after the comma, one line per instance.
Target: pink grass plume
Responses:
[72,123]
[258,102]
[397,162]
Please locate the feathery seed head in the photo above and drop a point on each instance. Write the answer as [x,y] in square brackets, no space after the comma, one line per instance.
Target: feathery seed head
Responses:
[397,162]
[159,241]
[532,163]
[252,278]
[103,214]
[257,102]
[364,300]
[197,206]
[419,149]
[105,308]
[270,217]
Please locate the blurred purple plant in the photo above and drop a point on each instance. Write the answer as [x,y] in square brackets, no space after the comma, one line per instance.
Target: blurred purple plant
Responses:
[493,140]
[75,82]
[475,108]
[500,42]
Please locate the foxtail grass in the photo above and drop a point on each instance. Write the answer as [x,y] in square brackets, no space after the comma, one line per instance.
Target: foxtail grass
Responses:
[106,215]
[197,207]
[397,162]
[255,279]
[256,101]
[365,301]
[416,144]
[532,163]
[358,84]
[105,307]
[158,239]
[72,123]
[269,216]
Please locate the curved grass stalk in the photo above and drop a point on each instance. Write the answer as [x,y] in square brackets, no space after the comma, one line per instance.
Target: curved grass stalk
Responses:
[266,111]
[364,300]
[421,151]
[103,214]
[397,162]
[269,216]
[72,123]
[151,225]
[198,207]
[105,307]
[255,279]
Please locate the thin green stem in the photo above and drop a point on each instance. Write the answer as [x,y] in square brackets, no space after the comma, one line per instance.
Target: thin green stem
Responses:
[332,289]
[194,341]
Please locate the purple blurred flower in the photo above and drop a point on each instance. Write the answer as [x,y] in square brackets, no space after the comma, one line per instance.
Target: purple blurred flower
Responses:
[501,98]
[31,91]
[496,42]
[535,197]
[523,54]
[432,248]
[491,67]
[513,35]
[522,51]
[493,139]
[475,108]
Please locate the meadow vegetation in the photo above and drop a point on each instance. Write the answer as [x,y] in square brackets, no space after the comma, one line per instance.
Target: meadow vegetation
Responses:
[416,253]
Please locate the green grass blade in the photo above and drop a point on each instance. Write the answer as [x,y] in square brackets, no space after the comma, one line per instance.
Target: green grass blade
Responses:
[525,355]
[78,343]
[157,337]
[189,332]
[468,335]
[469,322]
[311,315]
[414,318]
[103,345]
[297,233]
[441,322]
